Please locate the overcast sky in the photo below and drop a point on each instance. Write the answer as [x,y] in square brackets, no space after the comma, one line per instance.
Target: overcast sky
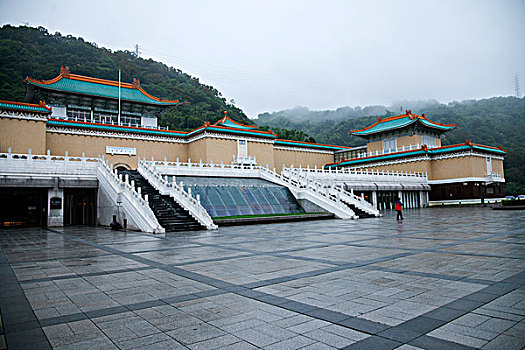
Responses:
[323,54]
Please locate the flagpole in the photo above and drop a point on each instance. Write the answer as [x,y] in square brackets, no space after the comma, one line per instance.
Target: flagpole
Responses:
[119,97]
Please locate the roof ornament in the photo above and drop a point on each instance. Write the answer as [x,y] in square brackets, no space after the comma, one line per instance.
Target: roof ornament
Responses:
[225,114]
[468,142]
[136,83]
[43,105]
[64,71]
[379,119]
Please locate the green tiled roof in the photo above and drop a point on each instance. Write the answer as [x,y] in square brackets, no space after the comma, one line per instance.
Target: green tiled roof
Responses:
[116,128]
[228,123]
[445,149]
[99,89]
[240,132]
[23,107]
[376,158]
[398,124]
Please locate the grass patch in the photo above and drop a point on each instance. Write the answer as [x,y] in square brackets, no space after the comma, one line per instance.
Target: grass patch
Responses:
[261,215]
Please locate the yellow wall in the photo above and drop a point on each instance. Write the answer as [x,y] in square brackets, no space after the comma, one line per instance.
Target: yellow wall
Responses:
[374,146]
[497,166]
[92,146]
[197,151]
[263,152]
[303,159]
[221,150]
[468,166]
[404,141]
[22,134]
[442,169]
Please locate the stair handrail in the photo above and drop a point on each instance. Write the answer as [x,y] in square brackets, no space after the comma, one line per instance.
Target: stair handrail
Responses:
[338,192]
[177,192]
[132,201]
[314,189]
[359,202]
[311,188]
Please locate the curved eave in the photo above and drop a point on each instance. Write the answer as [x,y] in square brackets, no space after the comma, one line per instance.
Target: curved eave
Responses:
[375,129]
[310,145]
[50,85]
[229,130]
[230,123]
[109,127]
[376,158]
[25,107]
[439,150]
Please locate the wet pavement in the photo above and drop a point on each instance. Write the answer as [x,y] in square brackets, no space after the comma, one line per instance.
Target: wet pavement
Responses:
[445,278]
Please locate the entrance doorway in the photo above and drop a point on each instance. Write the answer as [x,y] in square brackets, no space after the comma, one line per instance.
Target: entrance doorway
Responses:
[80,206]
[23,207]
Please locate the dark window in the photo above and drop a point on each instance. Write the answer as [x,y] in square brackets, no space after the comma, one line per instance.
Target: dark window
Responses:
[443,192]
[458,191]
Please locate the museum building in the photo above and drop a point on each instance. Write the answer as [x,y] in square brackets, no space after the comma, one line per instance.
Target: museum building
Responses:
[412,142]
[84,119]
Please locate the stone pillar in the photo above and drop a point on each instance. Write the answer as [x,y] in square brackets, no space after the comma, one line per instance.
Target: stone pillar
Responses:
[55,207]
[423,198]
[374,199]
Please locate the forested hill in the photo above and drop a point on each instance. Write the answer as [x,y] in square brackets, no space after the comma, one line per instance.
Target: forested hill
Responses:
[494,121]
[34,52]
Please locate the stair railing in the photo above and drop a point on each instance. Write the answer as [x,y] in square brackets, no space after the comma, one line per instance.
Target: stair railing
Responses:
[338,192]
[177,192]
[301,189]
[132,203]
[311,190]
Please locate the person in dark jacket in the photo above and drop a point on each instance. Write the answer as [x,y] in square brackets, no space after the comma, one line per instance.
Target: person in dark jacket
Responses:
[399,209]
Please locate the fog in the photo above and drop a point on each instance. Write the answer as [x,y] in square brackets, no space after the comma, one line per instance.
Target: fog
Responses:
[277,54]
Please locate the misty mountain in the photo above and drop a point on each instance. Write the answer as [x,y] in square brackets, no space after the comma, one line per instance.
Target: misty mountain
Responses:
[301,113]
[494,121]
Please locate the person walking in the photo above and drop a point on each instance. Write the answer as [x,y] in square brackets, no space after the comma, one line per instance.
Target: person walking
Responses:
[399,209]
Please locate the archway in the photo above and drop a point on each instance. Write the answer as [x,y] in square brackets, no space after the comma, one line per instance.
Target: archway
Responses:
[121,166]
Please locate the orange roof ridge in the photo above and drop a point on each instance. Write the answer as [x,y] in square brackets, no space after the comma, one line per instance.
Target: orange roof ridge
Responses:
[156,98]
[408,113]
[64,73]
[225,118]
[40,104]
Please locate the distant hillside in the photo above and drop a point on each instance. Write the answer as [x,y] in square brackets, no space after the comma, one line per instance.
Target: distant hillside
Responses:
[494,121]
[34,52]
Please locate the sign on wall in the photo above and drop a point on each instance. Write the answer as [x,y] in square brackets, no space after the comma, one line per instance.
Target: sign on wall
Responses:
[130,151]
[55,203]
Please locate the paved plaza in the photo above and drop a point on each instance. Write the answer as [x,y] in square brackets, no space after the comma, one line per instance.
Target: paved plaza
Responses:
[445,278]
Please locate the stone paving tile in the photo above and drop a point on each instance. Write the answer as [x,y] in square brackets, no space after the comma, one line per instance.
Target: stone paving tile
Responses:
[297,342]
[254,337]
[195,333]
[214,343]
[310,285]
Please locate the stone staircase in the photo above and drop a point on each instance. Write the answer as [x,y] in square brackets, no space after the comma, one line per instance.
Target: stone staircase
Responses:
[170,214]
[359,212]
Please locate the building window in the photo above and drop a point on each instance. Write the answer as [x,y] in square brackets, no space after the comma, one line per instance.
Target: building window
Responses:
[78,115]
[458,191]
[105,118]
[129,120]
[430,141]
[242,149]
[390,145]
